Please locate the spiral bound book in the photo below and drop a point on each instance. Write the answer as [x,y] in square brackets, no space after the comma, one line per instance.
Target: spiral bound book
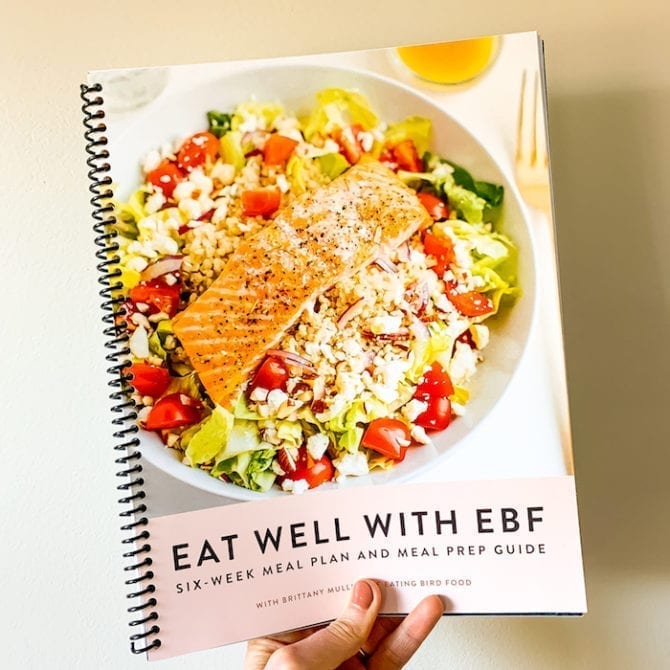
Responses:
[333,338]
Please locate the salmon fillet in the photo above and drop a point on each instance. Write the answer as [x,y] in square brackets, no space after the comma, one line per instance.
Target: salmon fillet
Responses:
[318,239]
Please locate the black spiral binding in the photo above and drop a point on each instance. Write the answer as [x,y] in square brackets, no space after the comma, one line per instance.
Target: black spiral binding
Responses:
[136,538]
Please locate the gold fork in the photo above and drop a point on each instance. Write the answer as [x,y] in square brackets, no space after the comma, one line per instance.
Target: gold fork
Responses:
[532,162]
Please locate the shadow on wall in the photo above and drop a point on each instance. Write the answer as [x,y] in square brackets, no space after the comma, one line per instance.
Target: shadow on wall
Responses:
[611,171]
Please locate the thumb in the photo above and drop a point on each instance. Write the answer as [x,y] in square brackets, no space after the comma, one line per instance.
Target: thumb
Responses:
[331,646]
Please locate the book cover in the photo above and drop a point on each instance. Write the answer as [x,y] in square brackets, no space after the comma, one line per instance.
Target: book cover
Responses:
[334,339]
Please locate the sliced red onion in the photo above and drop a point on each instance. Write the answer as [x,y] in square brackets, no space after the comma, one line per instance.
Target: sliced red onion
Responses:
[402,334]
[162,266]
[385,264]
[403,252]
[292,359]
[417,297]
[349,313]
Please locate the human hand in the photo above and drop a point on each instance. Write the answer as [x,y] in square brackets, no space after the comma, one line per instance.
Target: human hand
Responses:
[355,640]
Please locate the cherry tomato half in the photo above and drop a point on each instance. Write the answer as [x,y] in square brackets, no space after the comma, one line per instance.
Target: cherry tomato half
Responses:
[278,149]
[149,379]
[261,202]
[159,296]
[388,437]
[442,249]
[470,303]
[272,374]
[173,411]
[435,382]
[314,472]
[437,415]
[436,207]
[196,150]
[407,157]
[166,177]
[387,157]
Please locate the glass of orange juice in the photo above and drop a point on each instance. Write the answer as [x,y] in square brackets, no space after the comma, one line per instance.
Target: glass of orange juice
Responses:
[450,62]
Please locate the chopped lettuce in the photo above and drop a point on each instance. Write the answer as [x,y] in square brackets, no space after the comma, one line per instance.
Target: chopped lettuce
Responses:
[415,128]
[243,436]
[261,115]
[212,436]
[129,213]
[466,202]
[461,395]
[332,165]
[473,200]
[290,433]
[243,411]
[231,149]
[492,193]
[158,337]
[187,384]
[437,346]
[494,258]
[338,108]
[251,469]
[219,123]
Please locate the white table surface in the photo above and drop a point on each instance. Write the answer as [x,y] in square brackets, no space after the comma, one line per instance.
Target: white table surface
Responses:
[609,84]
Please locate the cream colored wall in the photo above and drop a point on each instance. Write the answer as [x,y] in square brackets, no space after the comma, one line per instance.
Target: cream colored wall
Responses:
[609,105]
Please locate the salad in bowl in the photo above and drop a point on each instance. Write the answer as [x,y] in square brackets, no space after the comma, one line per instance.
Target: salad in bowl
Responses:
[373,363]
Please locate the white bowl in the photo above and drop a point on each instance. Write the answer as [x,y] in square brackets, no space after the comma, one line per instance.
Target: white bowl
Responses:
[295,85]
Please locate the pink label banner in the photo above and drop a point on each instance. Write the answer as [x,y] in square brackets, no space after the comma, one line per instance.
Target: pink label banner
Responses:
[240,571]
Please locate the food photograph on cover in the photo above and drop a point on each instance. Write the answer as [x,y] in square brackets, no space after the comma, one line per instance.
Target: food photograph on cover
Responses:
[328,270]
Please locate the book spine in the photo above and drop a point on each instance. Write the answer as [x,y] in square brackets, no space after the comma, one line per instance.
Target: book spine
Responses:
[135,534]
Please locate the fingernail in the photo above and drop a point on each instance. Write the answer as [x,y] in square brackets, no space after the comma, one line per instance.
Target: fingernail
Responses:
[363,595]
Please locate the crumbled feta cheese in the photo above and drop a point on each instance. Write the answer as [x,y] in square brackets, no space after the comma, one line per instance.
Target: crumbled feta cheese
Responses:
[393,372]
[463,363]
[221,211]
[348,384]
[251,123]
[154,202]
[202,182]
[419,435]
[274,400]
[140,320]
[139,342]
[276,468]
[385,325]
[480,335]
[259,394]
[352,465]
[282,183]
[337,405]
[184,189]
[143,414]
[413,409]
[224,172]
[317,445]
[151,161]
[366,140]
[136,263]
[457,409]
[296,486]
[190,208]
[331,146]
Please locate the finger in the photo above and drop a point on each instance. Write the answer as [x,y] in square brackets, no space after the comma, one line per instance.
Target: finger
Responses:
[382,628]
[259,650]
[400,645]
[333,645]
